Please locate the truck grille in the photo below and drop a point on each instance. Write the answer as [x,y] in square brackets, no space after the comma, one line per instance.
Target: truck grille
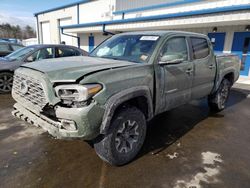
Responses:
[29,90]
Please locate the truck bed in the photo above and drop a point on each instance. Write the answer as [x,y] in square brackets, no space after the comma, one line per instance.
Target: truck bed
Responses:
[226,63]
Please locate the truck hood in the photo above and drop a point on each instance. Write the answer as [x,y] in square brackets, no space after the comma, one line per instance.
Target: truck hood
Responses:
[72,68]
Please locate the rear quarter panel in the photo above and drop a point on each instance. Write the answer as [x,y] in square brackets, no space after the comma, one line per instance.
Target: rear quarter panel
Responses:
[227,63]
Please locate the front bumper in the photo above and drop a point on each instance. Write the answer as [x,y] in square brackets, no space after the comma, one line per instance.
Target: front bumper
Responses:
[88,120]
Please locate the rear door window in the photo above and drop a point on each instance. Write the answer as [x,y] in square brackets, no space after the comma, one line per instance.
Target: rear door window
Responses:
[67,52]
[200,48]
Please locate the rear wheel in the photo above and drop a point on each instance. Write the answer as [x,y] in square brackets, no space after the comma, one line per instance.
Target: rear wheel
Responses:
[218,100]
[125,138]
[6,82]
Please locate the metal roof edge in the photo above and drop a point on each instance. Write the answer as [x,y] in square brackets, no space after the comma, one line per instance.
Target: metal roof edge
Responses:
[171,4]
[163,16]
[61,7]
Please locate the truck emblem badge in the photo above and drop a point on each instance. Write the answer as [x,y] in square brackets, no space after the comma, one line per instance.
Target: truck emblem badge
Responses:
[24,87]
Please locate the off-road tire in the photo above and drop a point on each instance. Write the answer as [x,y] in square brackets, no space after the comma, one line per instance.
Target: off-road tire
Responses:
[112,146]
[217,101]
[6,81]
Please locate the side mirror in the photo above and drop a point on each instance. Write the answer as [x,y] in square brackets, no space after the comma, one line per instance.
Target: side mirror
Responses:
[171,59]
[30,59]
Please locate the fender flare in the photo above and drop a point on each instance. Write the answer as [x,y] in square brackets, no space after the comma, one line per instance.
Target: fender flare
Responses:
[121,97]
[220,78]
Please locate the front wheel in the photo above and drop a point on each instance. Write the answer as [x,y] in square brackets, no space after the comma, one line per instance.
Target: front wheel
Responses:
[6,81]
[217,101]
[125,138]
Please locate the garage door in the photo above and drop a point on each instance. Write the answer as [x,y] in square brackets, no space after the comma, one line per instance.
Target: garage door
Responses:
[67,39]
[46,33]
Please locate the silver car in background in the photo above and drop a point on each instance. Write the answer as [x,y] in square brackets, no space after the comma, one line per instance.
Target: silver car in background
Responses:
[11,62]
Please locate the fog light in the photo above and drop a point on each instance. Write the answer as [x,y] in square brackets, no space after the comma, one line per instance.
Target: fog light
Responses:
[68,125]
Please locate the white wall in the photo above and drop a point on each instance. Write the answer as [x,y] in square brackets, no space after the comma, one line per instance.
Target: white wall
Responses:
[184,8]
[95,11]
[84,40]
[46,35]
[64,38]
[101,10]
[54,18]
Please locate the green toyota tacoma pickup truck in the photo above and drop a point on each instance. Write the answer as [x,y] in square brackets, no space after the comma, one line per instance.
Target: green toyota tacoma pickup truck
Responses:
[109,97]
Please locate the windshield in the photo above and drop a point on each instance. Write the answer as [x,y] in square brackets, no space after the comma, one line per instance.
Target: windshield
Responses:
[134,48]
[19,54]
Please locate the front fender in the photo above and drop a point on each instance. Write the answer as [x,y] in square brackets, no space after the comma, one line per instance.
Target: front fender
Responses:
[121,97]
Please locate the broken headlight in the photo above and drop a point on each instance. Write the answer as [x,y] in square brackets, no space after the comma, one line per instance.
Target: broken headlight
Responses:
[77,95]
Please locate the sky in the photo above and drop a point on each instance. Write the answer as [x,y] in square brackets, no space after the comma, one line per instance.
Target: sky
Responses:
[21,12]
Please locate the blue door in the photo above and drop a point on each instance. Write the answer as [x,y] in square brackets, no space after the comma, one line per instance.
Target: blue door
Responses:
[241,46]
[91,43]
[218,39]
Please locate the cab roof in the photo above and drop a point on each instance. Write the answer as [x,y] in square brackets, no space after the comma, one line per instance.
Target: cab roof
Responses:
[163,33]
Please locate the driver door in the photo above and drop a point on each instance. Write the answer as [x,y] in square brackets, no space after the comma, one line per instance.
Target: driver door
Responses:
[177,76]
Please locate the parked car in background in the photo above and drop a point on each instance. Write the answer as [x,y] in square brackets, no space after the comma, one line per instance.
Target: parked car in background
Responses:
[30,54]
[12,40]
[7,47]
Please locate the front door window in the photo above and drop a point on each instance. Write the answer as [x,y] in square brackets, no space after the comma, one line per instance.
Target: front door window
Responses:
[44,53]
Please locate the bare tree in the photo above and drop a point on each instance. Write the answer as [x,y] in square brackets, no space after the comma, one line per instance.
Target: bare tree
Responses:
[12,31]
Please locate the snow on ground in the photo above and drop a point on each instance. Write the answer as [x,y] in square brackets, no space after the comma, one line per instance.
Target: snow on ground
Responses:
[211,169]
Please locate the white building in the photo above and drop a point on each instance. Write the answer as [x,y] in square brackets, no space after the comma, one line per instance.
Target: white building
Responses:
[226,22]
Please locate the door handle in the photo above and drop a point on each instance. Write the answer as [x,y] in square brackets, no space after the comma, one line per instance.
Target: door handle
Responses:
[189,71]
[211,66]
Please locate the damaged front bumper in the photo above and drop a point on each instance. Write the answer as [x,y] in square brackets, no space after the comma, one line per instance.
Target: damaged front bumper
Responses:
[87,121]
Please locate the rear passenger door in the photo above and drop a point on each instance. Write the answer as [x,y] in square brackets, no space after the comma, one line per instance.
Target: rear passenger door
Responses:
[204,67]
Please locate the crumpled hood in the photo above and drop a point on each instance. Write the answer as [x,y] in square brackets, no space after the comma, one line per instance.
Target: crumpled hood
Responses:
[72,68]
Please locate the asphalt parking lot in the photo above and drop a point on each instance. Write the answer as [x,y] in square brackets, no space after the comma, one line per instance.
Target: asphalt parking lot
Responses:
[185,147]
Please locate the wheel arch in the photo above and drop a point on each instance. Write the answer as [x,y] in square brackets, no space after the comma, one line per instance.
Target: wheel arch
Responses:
[230,75]
[6,70]
[139,97]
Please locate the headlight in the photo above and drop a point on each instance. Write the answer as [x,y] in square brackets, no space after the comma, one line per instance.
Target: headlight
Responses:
[77,93]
